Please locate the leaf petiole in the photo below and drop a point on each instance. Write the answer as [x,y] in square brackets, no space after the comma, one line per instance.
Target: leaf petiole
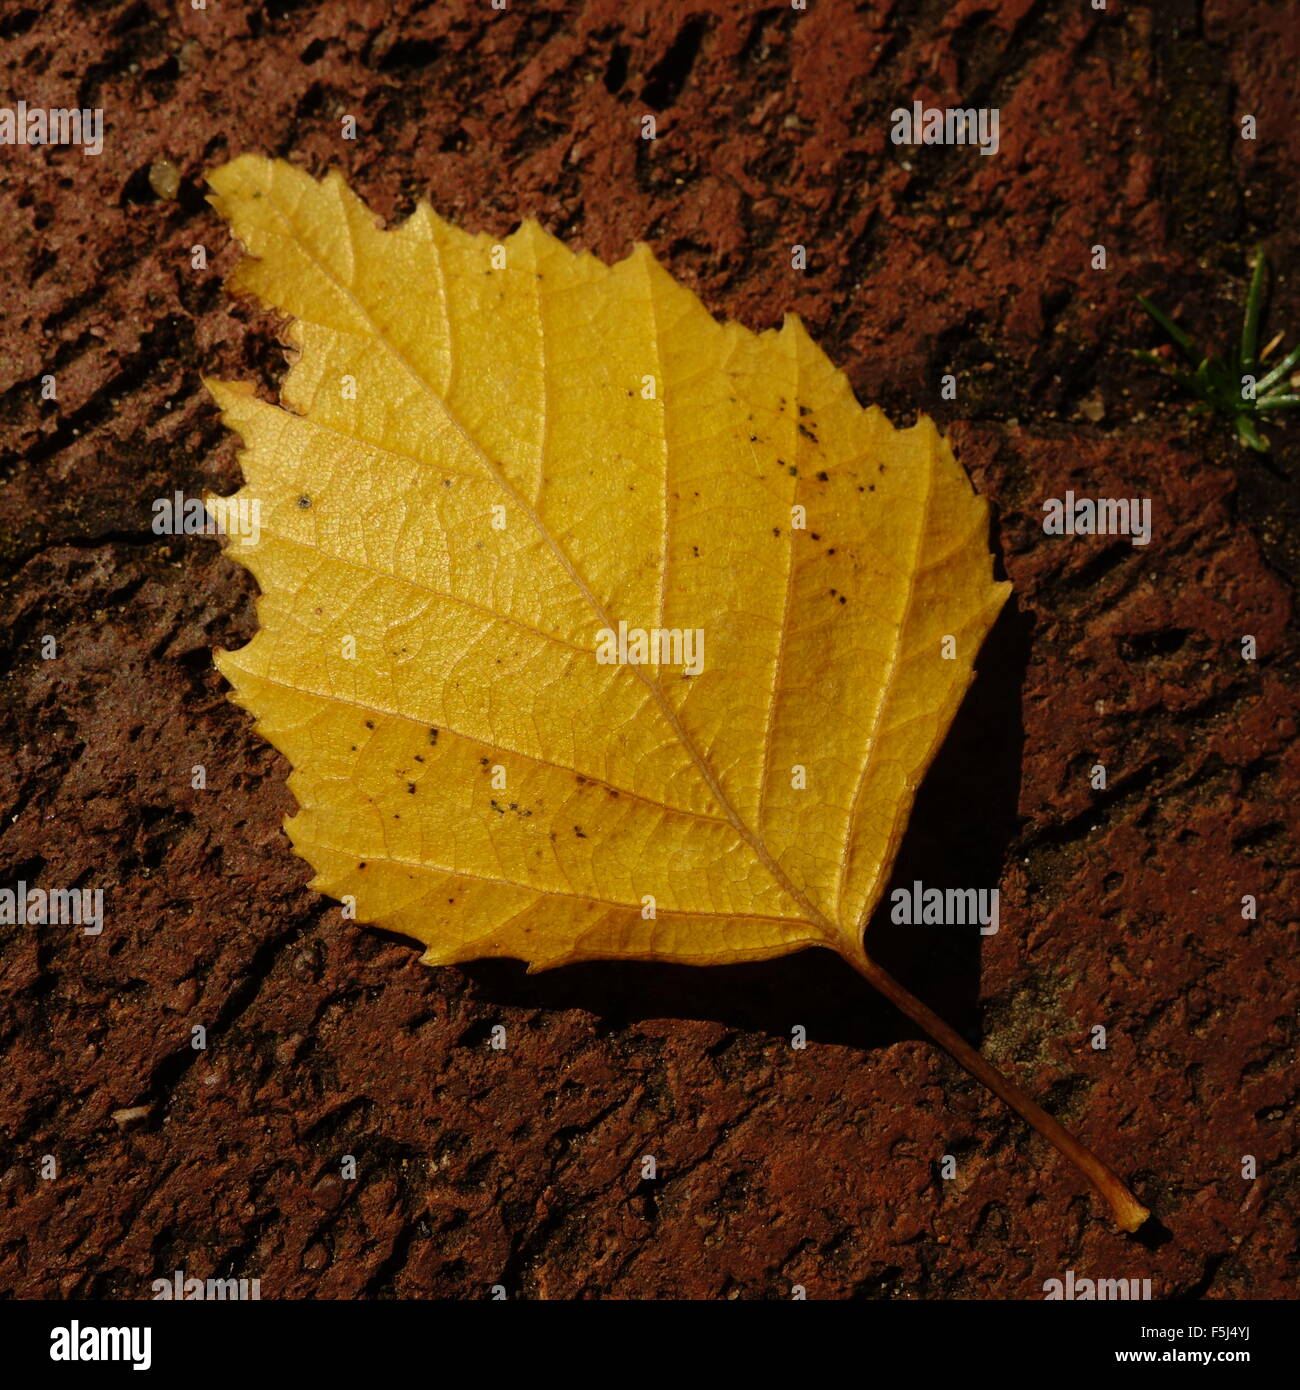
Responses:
[1128,1212]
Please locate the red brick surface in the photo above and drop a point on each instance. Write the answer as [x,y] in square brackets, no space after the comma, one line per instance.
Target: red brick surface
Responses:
[777,1166]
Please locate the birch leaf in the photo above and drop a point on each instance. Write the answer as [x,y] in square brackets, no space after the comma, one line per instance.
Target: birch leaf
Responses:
[591,627]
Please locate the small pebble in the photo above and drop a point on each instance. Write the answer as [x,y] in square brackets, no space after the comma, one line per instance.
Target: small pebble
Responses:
[164,179]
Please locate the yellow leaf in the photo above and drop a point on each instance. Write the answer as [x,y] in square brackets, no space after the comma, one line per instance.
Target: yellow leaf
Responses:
[502,474]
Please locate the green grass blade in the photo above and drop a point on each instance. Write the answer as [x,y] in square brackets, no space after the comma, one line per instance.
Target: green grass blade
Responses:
[1250,436]
[1171,328]
[1278,372]
[1254,305]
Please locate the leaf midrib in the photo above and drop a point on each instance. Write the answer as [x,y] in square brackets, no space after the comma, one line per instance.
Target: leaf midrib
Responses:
[813,915]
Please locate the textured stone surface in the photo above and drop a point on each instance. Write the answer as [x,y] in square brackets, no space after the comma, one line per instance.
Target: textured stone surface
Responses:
[777,1166]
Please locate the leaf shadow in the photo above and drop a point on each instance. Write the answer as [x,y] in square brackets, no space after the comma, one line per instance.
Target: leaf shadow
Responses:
[965,816]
